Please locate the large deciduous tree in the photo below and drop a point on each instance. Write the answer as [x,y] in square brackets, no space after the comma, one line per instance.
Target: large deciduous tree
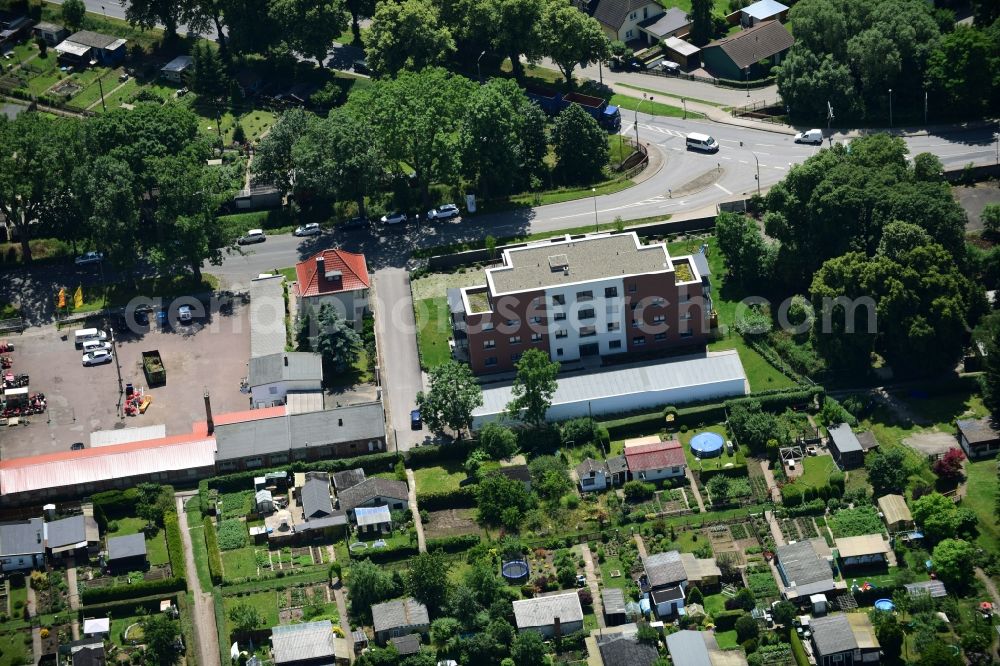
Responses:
[310,26]
[451,397]
[514,30]
[534,386]
[370,584]
[954,560]
[359,9]
[427,580]
[570,37]
[749,256]
[991,374]
[581,146]
[407,35]
[273,158]
[146,14]
[502,500]
[73,13]
[887,471]
[159,634]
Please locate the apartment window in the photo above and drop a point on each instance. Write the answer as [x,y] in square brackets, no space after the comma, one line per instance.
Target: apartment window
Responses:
[586,314]
[613,326]
[561,333]
[536,320]
[635,323]
[515,339]
[660,336]
[559,351]
[639,340]
[585,295]
[685,316]
[610,292]
[615,344]
[658,300]
[659,319]
[535,337]
[632,288]
[492,360]
[487,326]
[489,344]
[513,323]
[560,316]
[559,299]
[515,358]
[687,334]
[587,331]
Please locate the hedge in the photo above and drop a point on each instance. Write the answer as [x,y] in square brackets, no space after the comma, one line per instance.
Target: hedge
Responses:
[203,496]
[386,554]
[114,504]
[376,462]
[431,455]
[643,423]
[128,608]
[726,620]
[175,547]
[453,544]
[798,651]
[738,470]
[214,556]
[459,498]
[97,595]
[780,400]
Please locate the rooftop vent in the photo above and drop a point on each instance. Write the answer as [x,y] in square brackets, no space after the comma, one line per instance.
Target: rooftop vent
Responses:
[333,275]
[558,262]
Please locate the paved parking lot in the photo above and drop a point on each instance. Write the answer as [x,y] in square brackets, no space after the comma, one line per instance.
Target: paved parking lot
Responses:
[211,354]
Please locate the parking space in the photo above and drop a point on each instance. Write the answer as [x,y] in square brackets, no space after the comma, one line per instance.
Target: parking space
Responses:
[211,354]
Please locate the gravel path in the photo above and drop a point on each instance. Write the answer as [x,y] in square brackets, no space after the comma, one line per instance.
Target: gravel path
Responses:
[205,630]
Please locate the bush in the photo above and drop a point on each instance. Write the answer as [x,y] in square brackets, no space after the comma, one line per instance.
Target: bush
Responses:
[387,554]
[463,497]
[636,491]
[425,456]
[143,588]
[798,651]
[453,544]
[233,534]
[214,556]
[203,496]
[726,620]
[175,547]
[814,508]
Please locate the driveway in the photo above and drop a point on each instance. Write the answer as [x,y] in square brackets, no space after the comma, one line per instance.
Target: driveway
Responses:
[399,360]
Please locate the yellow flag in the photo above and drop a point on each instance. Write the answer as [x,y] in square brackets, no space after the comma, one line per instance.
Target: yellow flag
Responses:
[78,297]
[62,297]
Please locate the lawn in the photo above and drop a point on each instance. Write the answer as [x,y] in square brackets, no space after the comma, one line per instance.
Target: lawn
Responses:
[16,648]
[981,498]
[201,556]
[433,331]
[560,195]
[613,564]
[726,639]
[718,462]
[239,563]
[715,604]
[626,102]
[266,604]
[660,93]
[762,375]
[118,627]
[439,479]
[816,471]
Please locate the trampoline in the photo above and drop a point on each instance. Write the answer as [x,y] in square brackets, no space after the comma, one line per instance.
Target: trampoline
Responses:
[515,570]
[885,605]
[707,444]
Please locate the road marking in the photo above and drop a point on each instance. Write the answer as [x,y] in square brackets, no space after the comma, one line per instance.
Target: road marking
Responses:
[765,145]
[743,162]
[779,167]
[723,189]
[730,140]
[724,157]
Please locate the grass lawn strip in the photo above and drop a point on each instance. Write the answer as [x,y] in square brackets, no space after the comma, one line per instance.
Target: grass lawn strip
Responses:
[439,479]
[433,331]
[981,498]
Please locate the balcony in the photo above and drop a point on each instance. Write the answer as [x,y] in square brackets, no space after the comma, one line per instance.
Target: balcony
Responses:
[479,301]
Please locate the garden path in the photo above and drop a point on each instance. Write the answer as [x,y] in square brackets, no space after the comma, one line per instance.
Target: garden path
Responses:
[338,596]
[412,498]
[640,545]
[205,630]
[772,485]
[595,590]
[107,94]
[694,489]
[772,522]
[995,596]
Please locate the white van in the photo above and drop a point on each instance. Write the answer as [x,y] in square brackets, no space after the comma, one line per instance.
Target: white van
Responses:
[87,335]
[703,142]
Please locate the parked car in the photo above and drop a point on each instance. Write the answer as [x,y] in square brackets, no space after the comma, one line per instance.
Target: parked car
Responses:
[181,92]
[361,67]
[97,357]
[95,345]
[443,212]
[76,446]
[814,136]
[252,236]
[88,258]
[184,314]
[122,78]
[394,218]
[355,223]
[311,229]
[581,580]
[670,67]
[416,423]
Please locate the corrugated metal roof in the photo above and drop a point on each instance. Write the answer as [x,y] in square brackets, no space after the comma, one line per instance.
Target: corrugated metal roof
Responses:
[542,611]
[268,334]
[127,435]
[855,546]
[374,515]
[764,9]
[687,648]
[77,468]
[844,439]
[304,642]
[673,374]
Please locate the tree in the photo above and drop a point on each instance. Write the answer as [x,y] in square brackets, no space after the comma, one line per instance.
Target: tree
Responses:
[245,618]
[991,374]
[444,634]
[900,238]
[208,76]
[939,654]
[990,217]
[496,494]
[809,82]
[499,442]
[336,340]
[451,397]
[962,69]
[941,519]
[749,257]
[359,9]
[954,560]
[251,25]
[927,166]
[570,37]
[528,649]
[160,635]
[73,13]
[746,628]
[890,634]
[427,581]
[272,160]
[414,116]
[549,477]
[949,466]
[534,386]
[514,29]
[702,26]
[694,595]
[153,503]
[784,613]
[751,426]
[887,470]
[111,208]
[407,35]
[581,146]
[146,14]
[369,584]
[484,582]
[637,491]
[310,26]
[718,488]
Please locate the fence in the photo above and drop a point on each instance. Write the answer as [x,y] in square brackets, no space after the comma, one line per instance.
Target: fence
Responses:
[13,325]
[752,111]
[722,83]
[637,168]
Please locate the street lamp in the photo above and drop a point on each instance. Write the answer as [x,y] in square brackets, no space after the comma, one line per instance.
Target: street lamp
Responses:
[758,171]
[479,74]
[644,98]
[890,108]
[747,70]
[593,192]
[685,103]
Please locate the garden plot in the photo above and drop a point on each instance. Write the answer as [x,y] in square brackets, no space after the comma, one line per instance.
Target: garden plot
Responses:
[451,522]
[307,603]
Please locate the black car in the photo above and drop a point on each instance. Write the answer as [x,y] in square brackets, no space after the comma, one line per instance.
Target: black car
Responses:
[354,223]
[361,67]
[416,423]
[76,446]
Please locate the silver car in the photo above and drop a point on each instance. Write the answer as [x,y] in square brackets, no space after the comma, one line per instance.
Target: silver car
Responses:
[97,357]
[311,229]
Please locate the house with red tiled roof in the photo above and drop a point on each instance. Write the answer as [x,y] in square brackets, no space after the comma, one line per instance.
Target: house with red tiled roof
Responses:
[334,277]
[652,462]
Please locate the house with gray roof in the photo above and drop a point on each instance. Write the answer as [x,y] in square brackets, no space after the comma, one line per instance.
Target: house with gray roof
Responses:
[593,475]
[673,23]
[348,478]
[406,645]
[803,572]
[399,617]
[762,10]
[613,603]
[127,553]
[845,447]
[308,644]
[979,437]
[662,570]
[175,70]
[22,545]
[558,612]
[688,648]
[627,651]
[343,432]
[85,46]
[73,536]
[738,55]
[315,496]
[621,19]
[375,491]
[273,376]
[844,639]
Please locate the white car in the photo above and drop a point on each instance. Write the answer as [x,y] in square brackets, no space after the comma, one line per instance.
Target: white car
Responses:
[252,236]
[184,314]
[96,345]
[394,218]
[97,357]
[814,136]
[88,258]
[311,229]
[443,212]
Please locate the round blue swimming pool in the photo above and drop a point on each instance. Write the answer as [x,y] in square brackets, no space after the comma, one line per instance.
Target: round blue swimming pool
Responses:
[707,444]
[885,605]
